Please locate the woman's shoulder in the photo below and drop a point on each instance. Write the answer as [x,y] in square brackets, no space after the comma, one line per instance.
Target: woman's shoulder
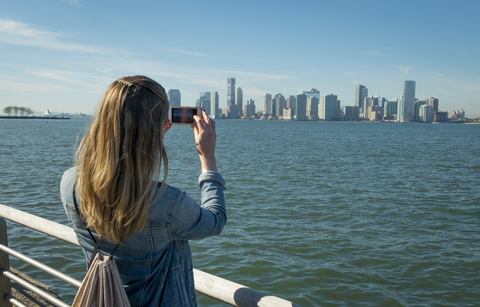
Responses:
[168,193]
[67,182]
[164,203]
[69,173]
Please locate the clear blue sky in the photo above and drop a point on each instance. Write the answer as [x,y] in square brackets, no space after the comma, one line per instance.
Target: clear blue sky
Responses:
[62,55]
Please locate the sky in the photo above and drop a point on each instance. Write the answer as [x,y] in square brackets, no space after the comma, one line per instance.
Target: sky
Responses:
[63,54]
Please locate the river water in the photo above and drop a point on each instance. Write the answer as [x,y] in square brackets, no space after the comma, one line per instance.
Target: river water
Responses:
[319,213]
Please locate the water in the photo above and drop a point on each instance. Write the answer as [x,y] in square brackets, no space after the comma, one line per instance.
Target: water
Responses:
[322,214]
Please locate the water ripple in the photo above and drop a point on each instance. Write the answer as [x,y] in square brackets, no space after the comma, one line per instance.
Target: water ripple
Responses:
[318,213]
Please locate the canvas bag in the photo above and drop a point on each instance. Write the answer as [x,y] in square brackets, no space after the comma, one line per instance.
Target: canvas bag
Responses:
[102,285]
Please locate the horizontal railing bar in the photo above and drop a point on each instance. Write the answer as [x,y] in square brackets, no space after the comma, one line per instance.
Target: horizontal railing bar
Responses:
[235,294]
[34,289]
[213,286]
[14,301]
[45,226]
[41,266]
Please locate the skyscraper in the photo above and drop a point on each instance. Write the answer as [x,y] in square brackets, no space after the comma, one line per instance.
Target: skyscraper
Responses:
[406,103]
[204,101]
[329,107]
[214,110]
[280,104]
[267,104]
[312,108]
[401,109]
[239,100]
[174,98]
[301,107]
[360,93]
[230,91]
[291,102]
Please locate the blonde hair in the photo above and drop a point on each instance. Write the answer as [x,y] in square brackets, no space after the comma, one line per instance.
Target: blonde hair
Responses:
[119,159]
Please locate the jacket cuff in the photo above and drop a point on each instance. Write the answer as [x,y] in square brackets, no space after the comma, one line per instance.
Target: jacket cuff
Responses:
[209,175]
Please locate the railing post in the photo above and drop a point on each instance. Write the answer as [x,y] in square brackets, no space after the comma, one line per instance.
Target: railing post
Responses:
[5,287]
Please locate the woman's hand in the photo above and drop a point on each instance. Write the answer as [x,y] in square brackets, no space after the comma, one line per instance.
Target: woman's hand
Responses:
[205,140]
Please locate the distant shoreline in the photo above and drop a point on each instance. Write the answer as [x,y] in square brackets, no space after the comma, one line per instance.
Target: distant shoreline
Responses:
[34,117]
[467,121]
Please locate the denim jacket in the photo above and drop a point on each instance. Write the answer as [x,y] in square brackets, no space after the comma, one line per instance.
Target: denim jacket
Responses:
[156,263]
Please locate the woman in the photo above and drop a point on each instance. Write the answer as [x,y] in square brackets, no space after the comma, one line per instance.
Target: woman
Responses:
[115,184]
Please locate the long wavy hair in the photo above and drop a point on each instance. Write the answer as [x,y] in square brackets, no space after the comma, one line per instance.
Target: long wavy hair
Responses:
[120,157]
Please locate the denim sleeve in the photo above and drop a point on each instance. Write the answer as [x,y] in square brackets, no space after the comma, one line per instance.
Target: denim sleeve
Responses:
[189,221]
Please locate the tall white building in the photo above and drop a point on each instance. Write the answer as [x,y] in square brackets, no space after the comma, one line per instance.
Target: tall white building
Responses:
[174,98]
[214,110]
[239,100]
[400,109]
[418,105]
[280,103]
[406,103]
[426,113]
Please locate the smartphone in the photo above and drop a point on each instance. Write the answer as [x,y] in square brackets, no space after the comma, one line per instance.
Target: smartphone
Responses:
[183,115]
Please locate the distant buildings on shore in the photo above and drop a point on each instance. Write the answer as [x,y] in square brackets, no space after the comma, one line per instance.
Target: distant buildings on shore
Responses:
[311,106]
[306,106]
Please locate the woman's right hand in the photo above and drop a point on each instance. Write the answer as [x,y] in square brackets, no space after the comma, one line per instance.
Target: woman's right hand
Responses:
[205,140]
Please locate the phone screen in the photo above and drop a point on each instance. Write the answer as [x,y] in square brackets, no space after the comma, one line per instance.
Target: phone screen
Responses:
[183,115]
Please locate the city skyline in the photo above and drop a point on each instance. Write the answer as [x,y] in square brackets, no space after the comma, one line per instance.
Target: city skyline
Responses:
[310,105]
[63,54]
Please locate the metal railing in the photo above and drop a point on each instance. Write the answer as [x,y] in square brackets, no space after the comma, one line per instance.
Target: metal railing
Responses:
[210,285]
